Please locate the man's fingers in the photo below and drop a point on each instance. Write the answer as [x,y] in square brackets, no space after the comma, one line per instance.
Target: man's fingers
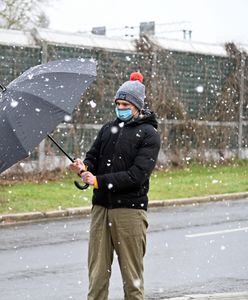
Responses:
[87,177]
[78,161]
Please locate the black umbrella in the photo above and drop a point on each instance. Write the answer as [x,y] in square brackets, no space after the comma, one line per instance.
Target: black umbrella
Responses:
[33,104]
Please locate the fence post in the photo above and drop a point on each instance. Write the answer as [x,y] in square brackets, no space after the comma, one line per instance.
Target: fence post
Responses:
[241,103]
[41,147]
[44,54]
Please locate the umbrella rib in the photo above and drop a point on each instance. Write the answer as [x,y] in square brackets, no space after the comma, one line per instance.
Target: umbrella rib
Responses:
[9,122]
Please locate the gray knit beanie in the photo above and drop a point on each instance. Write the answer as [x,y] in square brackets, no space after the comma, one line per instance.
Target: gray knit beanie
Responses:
[133,90]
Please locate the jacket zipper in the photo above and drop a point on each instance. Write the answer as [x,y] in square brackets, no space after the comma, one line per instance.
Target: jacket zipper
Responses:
[112,160]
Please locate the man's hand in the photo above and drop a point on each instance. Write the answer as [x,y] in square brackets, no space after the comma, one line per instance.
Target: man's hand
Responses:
[88,178]
[78,166]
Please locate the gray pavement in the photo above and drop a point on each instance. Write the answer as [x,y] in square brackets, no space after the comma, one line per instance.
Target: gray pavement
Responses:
[222,296]
[10,219]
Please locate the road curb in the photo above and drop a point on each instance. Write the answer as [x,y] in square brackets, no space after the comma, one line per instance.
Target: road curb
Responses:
[219,296]
[8,219]
[198,200]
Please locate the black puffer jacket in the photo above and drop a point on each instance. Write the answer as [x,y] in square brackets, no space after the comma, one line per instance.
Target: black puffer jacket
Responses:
[122,158]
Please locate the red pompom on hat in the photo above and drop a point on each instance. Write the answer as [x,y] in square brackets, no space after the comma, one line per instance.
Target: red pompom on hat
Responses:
[136,76]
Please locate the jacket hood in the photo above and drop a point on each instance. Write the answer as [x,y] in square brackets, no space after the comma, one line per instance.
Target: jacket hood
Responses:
[146,116]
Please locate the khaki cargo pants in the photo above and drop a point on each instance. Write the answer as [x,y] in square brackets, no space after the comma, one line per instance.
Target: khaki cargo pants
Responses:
[122,230]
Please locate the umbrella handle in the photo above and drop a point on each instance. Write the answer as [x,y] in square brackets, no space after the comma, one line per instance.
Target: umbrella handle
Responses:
[81,187]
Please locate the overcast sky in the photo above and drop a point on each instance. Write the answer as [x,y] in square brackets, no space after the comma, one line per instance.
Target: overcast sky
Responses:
[213,21]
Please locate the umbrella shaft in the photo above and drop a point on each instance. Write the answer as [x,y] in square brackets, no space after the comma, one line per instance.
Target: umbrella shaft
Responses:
[70,158]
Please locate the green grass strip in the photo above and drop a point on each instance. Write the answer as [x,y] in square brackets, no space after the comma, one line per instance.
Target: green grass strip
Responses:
[195,180]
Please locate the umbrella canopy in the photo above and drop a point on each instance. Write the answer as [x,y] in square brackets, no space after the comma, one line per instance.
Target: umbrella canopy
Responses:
[33,104]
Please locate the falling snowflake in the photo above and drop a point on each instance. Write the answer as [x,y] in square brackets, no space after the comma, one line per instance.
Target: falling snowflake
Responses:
[199,89]
[92,103]
[110,186]
[14,103]
[67,118]
[137,283]
[114,129]
[214,181]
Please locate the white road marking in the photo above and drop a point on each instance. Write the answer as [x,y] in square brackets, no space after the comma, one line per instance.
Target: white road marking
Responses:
[216,232]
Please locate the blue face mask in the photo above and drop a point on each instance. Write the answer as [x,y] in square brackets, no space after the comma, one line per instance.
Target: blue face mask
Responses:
[124,114]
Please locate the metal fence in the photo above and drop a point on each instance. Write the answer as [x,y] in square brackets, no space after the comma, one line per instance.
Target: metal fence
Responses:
[207,95]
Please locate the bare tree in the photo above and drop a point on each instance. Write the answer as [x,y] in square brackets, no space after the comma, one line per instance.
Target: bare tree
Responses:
[23,14]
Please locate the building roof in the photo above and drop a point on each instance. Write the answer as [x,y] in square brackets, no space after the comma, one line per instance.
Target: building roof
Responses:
[15,37]
[190,46]
[85,40]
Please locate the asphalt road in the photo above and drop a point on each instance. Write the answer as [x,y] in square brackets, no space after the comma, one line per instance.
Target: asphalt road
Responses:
[191,249]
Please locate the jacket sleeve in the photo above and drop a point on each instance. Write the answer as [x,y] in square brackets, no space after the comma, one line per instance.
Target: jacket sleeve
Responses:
[140,170]
[91,158]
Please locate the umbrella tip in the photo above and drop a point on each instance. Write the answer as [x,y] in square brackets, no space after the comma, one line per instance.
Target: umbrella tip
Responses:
[2,87]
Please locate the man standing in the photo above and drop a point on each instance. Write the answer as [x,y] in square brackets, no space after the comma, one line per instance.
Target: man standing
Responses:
[118,166]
